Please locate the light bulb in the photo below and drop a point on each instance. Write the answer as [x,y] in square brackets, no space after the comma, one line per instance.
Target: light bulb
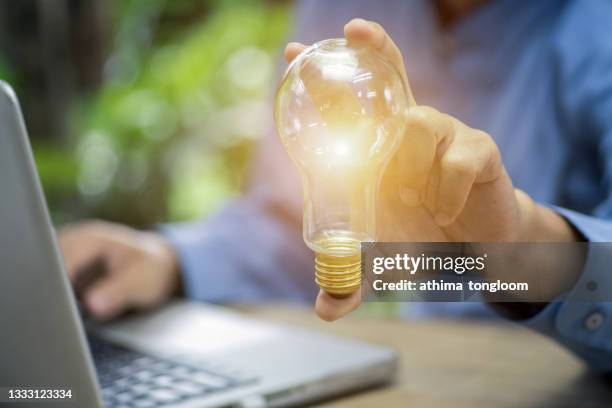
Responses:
[340,112]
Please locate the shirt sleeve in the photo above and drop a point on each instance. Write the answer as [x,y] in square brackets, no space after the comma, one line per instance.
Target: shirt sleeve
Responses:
[245,253]
[582,318]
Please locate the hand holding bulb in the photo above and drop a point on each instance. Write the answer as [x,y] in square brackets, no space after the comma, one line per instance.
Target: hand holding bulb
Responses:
[444,182]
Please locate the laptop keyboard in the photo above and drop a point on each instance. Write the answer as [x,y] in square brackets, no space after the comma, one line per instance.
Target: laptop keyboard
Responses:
[132,379]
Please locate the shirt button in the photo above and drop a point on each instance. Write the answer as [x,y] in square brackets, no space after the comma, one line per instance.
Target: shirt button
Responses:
[594,321]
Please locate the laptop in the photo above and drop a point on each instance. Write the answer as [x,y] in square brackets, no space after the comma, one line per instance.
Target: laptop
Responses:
[182,355]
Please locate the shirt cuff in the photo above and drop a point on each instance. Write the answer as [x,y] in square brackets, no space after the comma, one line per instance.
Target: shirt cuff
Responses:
[582,319]
[206,268]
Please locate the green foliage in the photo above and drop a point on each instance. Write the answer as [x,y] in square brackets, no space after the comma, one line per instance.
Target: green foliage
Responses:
[169,134]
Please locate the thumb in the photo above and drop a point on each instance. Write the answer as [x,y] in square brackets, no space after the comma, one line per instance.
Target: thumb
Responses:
[330,308]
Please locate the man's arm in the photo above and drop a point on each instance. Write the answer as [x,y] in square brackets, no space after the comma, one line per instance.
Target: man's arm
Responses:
[446,182]
[250,250]
[475,196]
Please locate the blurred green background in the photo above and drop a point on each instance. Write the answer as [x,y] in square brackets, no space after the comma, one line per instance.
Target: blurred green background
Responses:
[142,111]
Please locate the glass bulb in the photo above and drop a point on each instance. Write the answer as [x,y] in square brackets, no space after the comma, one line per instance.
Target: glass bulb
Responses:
[340,112]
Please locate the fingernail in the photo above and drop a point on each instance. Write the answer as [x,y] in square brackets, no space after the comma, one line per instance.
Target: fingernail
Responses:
[410,196]
[443,219]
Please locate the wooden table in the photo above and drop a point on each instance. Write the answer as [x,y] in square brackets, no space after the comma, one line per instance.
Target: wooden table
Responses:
[462,364]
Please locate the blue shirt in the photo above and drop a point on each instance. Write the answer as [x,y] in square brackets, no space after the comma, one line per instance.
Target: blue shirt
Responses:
[535,75]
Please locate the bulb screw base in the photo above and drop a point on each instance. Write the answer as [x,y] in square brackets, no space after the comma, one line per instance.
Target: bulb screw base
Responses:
[339,276]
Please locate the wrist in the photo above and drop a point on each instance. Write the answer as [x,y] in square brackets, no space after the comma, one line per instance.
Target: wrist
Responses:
[174,269]
[541,224]
[555,275]
[169,263]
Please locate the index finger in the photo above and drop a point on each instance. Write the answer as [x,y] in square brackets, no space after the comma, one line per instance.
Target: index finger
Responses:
[292,50]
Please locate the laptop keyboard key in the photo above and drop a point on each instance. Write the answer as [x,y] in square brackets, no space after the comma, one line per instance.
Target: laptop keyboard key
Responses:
[144,375]
[143,361]
[164,395]
[145,403]
[188,388]
[209,380]
[164,380]
[141,388]
[182,371]
[124,396]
